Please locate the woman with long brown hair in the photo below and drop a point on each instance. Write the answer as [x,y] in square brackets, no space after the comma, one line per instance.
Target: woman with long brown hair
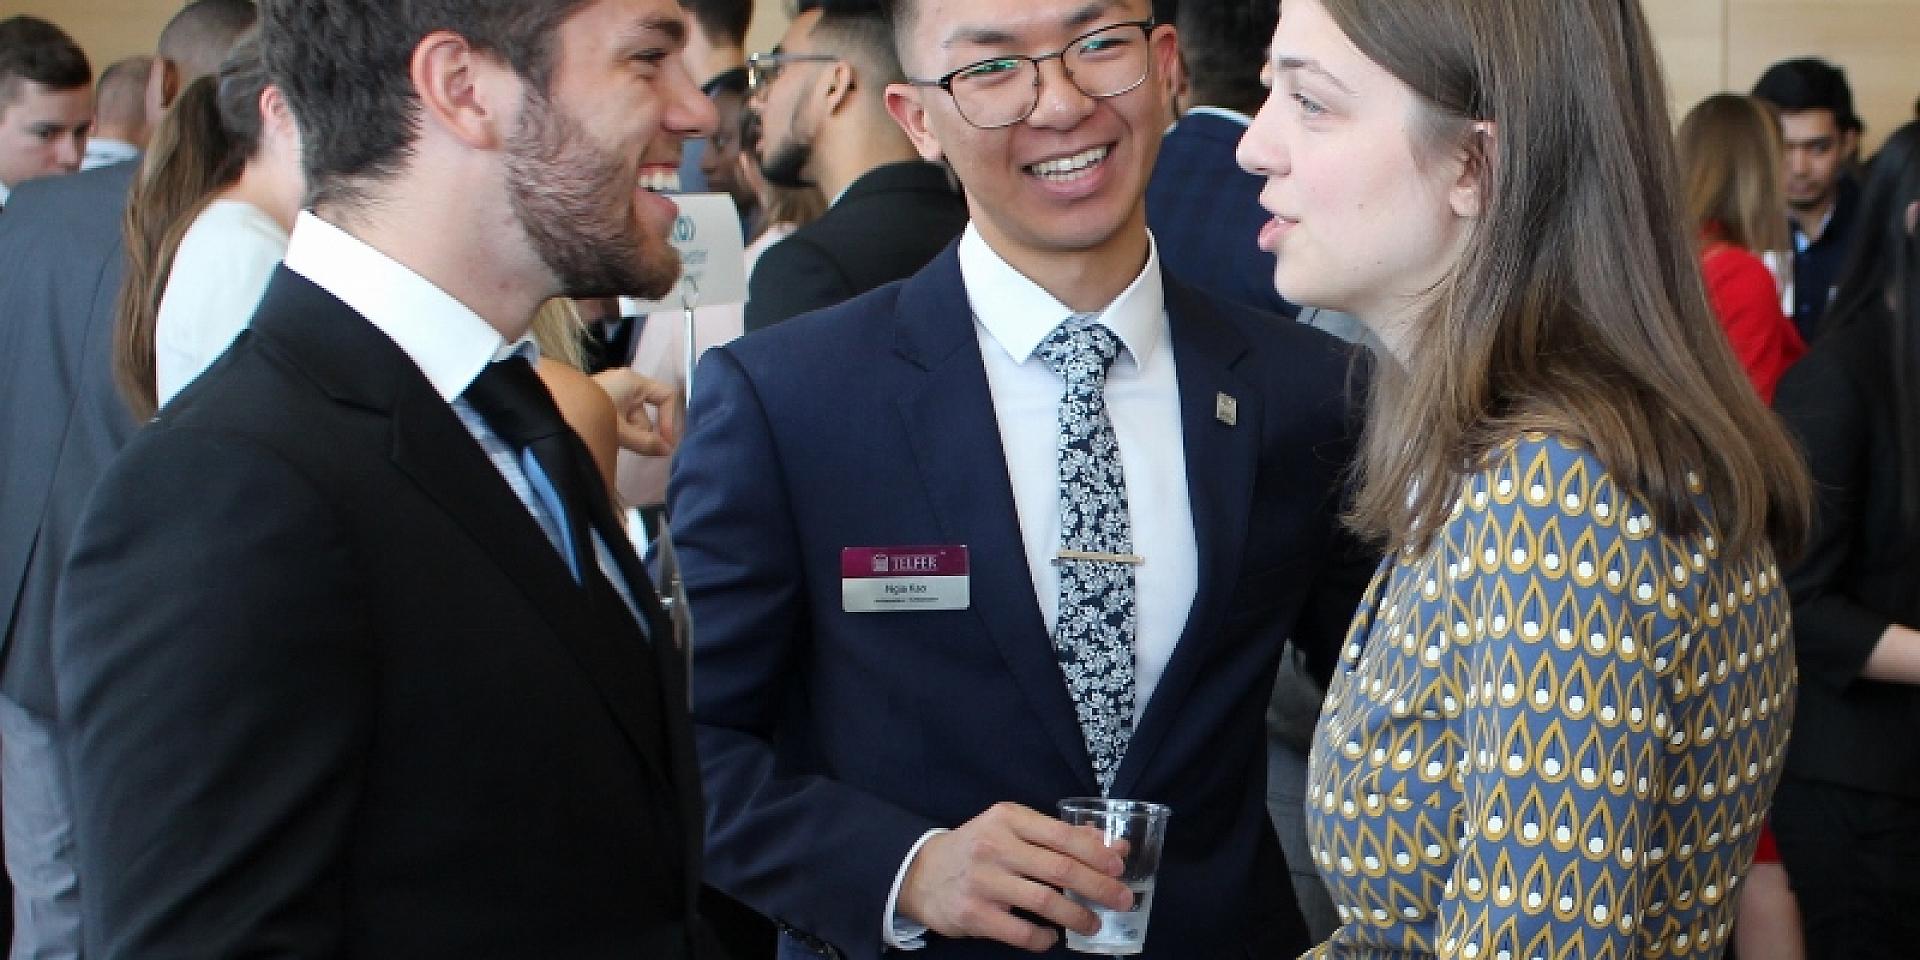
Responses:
[1730,162]
[1564,702]
[205,227]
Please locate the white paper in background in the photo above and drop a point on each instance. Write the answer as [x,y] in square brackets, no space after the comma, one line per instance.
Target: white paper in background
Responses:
[713,258]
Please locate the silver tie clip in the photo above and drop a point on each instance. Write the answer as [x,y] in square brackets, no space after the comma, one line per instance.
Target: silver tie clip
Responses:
[1096,557]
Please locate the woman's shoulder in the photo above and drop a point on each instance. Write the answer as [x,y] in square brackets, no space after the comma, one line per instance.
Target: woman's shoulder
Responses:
[1541,477]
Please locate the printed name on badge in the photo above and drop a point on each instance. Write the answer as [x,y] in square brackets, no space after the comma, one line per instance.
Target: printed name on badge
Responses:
[904,579]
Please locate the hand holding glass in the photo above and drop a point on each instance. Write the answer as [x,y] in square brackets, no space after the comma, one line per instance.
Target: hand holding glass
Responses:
[1135,829]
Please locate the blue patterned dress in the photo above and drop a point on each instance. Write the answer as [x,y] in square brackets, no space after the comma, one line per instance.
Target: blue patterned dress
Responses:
[1554,733]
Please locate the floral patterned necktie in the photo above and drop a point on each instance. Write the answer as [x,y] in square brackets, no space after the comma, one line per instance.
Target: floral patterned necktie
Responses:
[1093,634]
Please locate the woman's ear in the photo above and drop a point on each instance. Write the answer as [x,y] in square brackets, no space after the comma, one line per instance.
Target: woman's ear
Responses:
[1468,193]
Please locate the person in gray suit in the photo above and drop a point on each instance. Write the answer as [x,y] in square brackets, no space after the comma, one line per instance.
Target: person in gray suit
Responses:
[61,422]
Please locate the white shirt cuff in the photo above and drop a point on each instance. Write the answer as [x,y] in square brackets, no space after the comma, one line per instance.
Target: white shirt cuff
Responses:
[896,931]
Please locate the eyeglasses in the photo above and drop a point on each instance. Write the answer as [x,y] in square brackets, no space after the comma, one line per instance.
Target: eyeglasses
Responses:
[762,68]
[1002,91]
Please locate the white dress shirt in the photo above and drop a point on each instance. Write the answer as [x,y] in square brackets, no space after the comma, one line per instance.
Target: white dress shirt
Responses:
[218,274]
[1013,315]
[103,151]
[448,342]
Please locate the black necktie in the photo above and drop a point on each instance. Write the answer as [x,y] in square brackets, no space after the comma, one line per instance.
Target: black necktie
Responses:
[513,401]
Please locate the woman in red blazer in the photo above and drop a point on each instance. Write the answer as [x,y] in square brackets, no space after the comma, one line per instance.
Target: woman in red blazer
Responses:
[1730,158]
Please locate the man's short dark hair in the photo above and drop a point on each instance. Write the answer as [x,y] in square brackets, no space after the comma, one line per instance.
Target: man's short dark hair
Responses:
[1809,83]
[1224,44]
[32,49]
[859,31]
[721,19]
[344,68]
[200,36]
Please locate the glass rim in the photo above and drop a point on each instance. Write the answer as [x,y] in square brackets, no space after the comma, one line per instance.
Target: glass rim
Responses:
[1115,805]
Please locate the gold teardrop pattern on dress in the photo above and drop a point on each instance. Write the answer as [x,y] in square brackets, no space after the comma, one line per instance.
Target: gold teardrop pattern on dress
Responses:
[1554,732]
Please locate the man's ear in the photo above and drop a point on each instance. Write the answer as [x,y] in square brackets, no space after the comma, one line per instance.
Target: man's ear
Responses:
[904,104]
[838,90]
[465,95]
[1849,145]
[468,96]
[163,84]
[1475,158]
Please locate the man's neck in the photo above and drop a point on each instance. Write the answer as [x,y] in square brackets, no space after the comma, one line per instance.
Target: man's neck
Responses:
[1812,219]
[481,274]
[846,154]
[1086,281]
[115,133]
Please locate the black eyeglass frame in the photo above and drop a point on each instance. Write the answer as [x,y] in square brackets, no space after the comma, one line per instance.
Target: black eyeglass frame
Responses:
[945,81]
[763,68]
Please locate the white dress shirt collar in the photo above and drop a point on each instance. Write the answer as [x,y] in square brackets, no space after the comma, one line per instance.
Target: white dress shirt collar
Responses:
[4,194]
[1018,314]
[448,342]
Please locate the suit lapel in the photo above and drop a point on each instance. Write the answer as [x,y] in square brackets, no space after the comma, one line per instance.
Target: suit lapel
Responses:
[950,422]
[355,364]
[1222,458]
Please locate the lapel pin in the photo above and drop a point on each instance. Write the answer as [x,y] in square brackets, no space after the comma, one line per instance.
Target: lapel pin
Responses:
[1226,409]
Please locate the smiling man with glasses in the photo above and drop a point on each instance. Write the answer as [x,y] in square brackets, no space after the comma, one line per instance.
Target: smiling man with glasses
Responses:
[821,97]
[1032,524]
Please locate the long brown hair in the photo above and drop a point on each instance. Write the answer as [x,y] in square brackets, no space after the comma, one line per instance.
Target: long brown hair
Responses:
[201,148]
[1578,306]
[1729,148]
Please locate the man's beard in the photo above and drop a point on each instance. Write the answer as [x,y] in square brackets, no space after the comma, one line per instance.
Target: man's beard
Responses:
[786,166]
[574,200]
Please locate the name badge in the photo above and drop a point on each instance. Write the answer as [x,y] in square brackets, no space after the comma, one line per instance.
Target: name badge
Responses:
[903,579]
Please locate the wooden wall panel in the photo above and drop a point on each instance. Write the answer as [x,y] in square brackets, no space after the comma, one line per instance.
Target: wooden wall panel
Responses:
[107,29]
[1876,41]
[1692,37]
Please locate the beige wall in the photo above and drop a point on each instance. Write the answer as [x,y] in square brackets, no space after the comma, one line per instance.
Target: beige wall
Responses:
[112,29]
[1708,45]
[1714,45]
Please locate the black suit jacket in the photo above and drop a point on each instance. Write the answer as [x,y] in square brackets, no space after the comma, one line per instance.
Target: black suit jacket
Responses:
[890,223]
[831,741]
[61,418]
[1862,569]
[329,691]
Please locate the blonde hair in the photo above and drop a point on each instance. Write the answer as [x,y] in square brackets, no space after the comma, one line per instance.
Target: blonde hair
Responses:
[1730,164]
[556,332]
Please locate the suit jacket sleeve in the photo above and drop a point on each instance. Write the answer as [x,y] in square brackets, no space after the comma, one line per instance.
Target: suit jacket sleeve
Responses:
[213,671]
[793,277]
[1349,564]
[1833,633]
[805,849]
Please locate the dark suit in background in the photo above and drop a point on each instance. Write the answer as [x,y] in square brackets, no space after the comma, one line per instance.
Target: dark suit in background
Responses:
[831,741]
[1206,217]
[1846,811]
[61,422]
[330,691]
[889,223]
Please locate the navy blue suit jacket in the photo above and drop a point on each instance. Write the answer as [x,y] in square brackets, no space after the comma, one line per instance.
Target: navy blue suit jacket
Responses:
[1206,217]
[831,741]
